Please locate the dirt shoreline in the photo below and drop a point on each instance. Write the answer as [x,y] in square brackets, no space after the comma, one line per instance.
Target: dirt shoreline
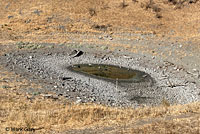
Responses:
[172,81]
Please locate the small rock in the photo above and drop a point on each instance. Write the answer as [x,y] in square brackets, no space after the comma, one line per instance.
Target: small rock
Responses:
[55,97]
[47,95]
[60,94]
[144,76]
[29,97]
[175,68]
[66,78]
[126,57]
[37,12]
[9,17]
[76,53]
[100,37]
[195,70]
[192,1]
[78,101]
[27,21]
[106,36]
[159,67]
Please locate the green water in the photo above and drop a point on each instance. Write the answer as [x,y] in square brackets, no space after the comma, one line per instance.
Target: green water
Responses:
[108,72]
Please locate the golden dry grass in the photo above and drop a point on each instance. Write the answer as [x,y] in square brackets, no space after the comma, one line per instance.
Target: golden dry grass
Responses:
[48,21]
[16,110]
[46,115]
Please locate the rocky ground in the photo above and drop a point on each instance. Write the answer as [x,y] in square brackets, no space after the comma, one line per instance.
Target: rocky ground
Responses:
[171,80]
[158,37]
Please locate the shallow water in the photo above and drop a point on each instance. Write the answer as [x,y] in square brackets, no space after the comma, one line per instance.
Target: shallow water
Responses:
[110,72]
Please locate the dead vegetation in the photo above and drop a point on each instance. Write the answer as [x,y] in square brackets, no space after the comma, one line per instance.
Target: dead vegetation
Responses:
[101,27]
[153,6]
[180,3]
[123,4]
[92,11]
[41,114]
[21,25]
[50,19]
[44,114]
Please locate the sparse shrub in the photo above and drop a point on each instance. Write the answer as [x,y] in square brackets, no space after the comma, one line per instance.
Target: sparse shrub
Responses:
[5,86]
[158,15]
[151,5]
[192,1]
[92,12]
[155,8]
[134,0]
[36,93]
[51,46]
[123,4]
[101,27]
[27,45]
[165,102]
[173,1]
[180,3]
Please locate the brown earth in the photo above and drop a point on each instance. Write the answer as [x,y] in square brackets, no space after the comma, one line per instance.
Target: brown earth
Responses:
[52,22]
[49,21]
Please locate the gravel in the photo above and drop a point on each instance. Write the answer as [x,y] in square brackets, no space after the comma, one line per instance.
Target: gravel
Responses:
[49,67]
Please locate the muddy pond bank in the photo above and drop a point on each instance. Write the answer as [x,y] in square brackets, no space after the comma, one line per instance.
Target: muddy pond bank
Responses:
[48,66]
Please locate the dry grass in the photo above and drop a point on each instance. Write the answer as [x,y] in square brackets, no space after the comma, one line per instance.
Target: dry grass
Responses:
[45,21]
[48,21]
[176,126]
[16,110]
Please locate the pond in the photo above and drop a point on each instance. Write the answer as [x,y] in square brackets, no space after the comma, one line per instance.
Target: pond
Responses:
[110,72]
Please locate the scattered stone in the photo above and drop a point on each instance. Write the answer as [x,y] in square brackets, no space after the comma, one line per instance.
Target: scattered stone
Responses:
[51,67]
[47,95]
[37,12]
[127,57]
[76,53]
[9,17]
[66,78]
[195,70]
[28,97]
[100,37]
[100,27]
[60,94]
[27,21]
[78,101]
[50,96]
[55,97]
